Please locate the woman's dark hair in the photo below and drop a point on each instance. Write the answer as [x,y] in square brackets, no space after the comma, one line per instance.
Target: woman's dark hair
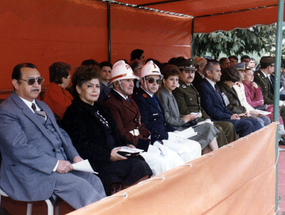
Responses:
[136,54]
[83,74]
[230,74]
[170,70]
[106,63]
[57,71]
[90,62]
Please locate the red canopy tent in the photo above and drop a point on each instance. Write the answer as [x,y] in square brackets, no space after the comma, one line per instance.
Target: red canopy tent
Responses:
[46,31]
[212,15]
[42,32]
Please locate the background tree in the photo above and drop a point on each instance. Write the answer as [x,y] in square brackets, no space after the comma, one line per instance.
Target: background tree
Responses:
[257,39]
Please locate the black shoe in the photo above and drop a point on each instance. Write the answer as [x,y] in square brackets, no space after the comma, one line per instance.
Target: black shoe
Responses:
[282,142]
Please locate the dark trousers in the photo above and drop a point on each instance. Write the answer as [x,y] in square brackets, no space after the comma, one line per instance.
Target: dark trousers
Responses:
[245,125]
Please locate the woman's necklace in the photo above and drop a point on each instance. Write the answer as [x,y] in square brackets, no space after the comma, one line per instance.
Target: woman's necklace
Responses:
[101,118]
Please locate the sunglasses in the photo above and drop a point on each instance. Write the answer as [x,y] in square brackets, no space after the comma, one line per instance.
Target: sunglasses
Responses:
[152,80]
[31,81]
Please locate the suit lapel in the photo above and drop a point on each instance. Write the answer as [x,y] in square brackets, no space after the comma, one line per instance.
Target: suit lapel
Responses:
[125,103]
[129,105]
[33,117]
[152,102]
[218,96]
[54,123]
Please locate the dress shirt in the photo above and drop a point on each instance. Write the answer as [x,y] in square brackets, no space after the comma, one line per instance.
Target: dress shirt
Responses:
[125,97]
[212,83]
[29,104]
[149,93]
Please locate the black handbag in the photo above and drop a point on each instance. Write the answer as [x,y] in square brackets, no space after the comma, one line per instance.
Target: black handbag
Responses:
[190,123]
[261,107]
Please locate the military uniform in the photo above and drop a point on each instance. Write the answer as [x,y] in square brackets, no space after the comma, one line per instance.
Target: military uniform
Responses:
[188,100]
[263,82]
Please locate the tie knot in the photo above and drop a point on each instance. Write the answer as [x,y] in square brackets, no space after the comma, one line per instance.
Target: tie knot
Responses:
[34,106]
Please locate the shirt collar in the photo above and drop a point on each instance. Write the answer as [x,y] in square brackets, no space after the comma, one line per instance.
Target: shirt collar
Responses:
[125,97]
[149,93]
[264,74]
[29,104]
[211,82]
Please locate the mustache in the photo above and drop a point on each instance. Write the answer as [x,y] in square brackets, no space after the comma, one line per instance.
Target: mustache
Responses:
[35,90]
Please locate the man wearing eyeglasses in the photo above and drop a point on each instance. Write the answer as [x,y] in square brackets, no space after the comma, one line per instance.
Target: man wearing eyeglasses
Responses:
[152,115]
[36,153]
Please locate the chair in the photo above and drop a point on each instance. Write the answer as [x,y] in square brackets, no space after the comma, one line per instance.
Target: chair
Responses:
[51,202]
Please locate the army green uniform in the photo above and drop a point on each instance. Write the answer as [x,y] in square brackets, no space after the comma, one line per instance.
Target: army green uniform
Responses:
[263,82]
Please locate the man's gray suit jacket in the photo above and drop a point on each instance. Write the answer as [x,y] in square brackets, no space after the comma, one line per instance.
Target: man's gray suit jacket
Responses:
[28,154]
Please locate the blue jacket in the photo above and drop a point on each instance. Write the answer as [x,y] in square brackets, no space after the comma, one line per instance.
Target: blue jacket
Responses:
[212,102]
[151,115]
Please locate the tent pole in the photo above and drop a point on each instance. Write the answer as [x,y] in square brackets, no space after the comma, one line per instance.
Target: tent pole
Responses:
[277,86]
[192,38]
[109,30]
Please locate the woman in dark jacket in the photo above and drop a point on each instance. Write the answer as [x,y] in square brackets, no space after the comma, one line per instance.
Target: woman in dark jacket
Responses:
[229,77]
[95,135]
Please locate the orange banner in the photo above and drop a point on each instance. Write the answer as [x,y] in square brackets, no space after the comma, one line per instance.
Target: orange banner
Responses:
[75,30]
[161,36]
[236,179]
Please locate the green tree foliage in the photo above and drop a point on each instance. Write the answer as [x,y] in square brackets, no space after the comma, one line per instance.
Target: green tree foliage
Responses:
[237,42]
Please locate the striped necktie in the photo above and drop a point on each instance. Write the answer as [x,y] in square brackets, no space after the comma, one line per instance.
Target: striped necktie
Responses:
[41,113]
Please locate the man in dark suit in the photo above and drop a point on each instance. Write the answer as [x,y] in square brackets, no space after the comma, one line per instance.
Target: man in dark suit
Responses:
[36,153]
[213,103]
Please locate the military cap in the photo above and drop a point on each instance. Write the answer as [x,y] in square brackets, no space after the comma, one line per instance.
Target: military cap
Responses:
[239,66]
[267,61]
[188,64]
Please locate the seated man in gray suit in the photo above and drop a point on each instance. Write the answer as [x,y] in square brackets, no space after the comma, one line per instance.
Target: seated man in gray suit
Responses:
[36,153]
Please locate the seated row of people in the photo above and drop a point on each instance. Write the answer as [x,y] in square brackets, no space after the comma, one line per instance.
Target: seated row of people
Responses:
[147,110]
[95,135]
[238,98]
[150,118]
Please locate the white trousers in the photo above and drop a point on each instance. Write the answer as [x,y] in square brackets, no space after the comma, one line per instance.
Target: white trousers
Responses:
[187,149]
[160,158]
